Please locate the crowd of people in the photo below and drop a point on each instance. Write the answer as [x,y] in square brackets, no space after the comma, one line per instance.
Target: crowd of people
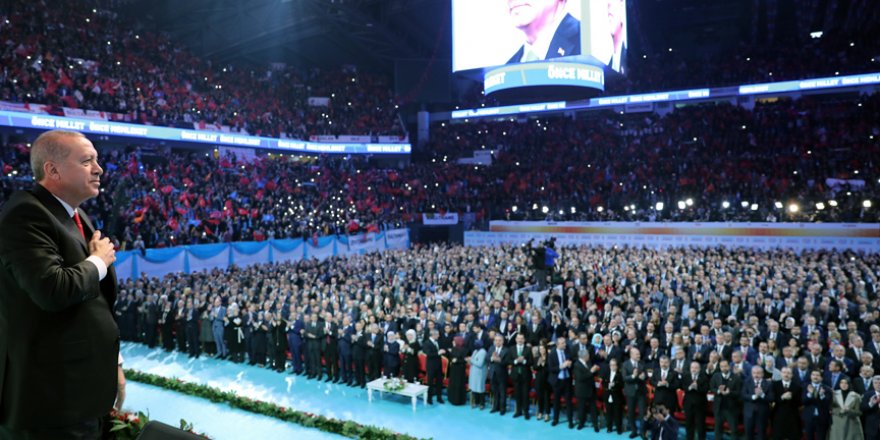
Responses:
[806,160]
[783,341]
[69,54]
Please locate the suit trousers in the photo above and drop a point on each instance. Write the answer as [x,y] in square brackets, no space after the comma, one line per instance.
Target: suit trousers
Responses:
[632,403]
[562,388]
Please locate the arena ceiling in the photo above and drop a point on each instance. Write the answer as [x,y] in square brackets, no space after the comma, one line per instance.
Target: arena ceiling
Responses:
[302,32]
[376,33]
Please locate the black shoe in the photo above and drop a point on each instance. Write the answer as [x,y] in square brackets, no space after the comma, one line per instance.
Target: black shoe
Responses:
[494,410]
[502,413]
[633,435]
[517,415]
[527,416]
[430,402]
[440,401]
[555,422]
[580,427]
[571,426]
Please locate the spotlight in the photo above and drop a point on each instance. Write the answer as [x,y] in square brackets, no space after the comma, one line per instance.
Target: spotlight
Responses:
[689,201]
[754,207]
[820,206]
[832,203]
[681,205]
[793,208]
[778,205]
[866,204]
[659,206]
[744,204]
[725,204]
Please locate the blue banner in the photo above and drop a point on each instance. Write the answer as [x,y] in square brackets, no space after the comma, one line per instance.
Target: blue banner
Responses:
[91,126]
[869,79]
[546,73]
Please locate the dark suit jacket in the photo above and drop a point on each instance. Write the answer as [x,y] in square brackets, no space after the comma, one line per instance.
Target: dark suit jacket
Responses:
[666,394]
[584,381]
[871,414]
[633,386]
[499,367]
[818,404]
[58,340]
[760,404]
[521,371]
[553,366]
[613,389]
[695,400]
[566,41]
[786,413]
[726,402]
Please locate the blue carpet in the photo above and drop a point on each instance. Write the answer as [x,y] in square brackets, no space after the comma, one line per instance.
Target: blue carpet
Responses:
[219,422]
[339,401]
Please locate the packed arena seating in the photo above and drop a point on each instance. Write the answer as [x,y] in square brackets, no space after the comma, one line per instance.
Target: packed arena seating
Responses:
[783,313]
[71,56]
[761,162]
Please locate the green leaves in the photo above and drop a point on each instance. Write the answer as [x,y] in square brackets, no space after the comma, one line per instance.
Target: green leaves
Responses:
[345,428]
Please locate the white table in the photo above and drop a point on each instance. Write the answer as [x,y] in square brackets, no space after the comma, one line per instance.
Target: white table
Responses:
[412,390]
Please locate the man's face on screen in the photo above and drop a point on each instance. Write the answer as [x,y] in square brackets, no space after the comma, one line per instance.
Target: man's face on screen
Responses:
[525,13]
[615,15]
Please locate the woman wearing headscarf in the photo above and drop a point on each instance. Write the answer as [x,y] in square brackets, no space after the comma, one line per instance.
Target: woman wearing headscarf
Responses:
[845,412]
[455,372]
[477,379]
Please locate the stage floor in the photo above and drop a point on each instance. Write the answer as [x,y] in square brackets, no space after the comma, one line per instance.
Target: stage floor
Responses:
[331,400]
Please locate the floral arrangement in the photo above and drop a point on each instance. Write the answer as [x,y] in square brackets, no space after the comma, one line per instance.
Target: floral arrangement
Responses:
[394,384]
[341,427]
[128,426]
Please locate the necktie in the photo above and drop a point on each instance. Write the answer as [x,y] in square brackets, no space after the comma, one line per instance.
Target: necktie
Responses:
[530,55]
[79,224]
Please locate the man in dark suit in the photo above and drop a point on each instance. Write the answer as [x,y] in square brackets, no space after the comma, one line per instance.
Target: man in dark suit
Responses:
[665,383]
[559,375]
[635,390]
[359,353]
[314,335]
[585,390]
[816,414]
[757,393]
[613,380]
[549,31]
[786,408]
[499,360]
[330,347]
[434,366]
[375,351]
[521,375]
[862,383]
[699,351]
[536,330]
[663,425]
[727,404]
[345,344]
[695,404]
[871,411]
[295,329]
[59,344]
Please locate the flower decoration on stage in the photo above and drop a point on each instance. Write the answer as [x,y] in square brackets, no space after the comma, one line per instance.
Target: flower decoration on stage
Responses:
[128,426]
[394,384]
